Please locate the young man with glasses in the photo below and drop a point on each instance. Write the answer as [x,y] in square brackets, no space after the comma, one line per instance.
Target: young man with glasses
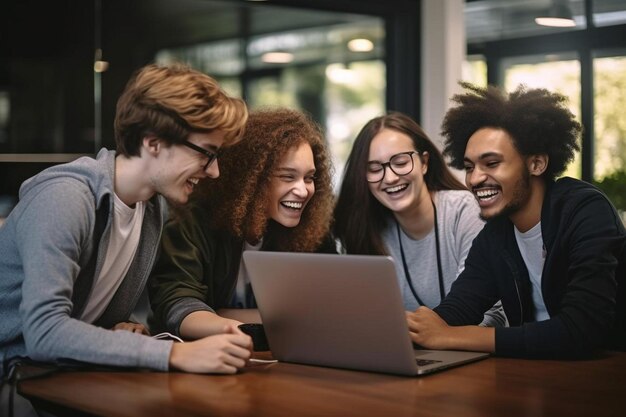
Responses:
[399,198]
[554,251]
[76,252]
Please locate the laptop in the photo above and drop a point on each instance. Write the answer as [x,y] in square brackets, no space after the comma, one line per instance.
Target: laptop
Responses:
[342,311]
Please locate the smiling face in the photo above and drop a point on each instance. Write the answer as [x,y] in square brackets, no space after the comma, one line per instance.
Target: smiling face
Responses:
[292,186]
[399,193]
[496,173]
[180,167]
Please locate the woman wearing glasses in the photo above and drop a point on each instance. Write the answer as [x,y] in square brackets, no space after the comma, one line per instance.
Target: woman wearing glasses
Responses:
[398,198]
[274,193]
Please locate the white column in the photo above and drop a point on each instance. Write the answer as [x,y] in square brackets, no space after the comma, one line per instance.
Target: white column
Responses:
[443,53]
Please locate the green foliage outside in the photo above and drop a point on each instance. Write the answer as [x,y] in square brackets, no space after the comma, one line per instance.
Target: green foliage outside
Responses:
[614,186]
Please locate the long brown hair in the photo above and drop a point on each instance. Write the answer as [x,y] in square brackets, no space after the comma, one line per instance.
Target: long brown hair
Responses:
[359,217]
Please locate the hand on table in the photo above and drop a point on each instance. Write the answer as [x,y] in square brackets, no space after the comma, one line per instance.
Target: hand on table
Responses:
[222,353]
[132,327]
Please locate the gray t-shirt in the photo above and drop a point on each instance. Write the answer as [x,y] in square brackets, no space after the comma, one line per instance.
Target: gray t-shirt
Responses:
[459,222]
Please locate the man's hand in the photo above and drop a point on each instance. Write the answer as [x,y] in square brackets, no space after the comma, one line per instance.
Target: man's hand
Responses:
[222,353]
[132,327]
[427,329]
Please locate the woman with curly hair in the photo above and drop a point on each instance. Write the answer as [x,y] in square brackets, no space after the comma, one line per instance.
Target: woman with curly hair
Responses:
[274,194]
[398,198]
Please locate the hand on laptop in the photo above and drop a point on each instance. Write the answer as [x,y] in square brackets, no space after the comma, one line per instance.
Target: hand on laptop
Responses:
[222,353]
[429,330]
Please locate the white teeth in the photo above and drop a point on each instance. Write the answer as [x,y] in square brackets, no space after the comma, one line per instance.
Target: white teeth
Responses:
[396,188]
[486,193]
[292,204]
[194,181]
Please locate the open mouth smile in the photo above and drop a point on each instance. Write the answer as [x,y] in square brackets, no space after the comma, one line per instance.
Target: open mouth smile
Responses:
[292,205]
[486,194]
[396,188]
[192,182]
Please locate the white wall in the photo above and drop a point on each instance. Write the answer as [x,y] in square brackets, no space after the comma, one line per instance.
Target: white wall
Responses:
[443,52]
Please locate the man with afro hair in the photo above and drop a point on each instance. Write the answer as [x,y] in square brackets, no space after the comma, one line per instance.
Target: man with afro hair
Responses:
[553,250]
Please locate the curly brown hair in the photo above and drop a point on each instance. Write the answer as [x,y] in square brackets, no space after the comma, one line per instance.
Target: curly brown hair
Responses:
[172,101]
[536,119]
[238,198]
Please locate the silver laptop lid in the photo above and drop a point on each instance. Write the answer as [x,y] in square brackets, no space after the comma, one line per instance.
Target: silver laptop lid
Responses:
[332,310]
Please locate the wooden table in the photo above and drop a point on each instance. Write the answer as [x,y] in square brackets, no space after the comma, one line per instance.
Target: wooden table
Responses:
[492,387]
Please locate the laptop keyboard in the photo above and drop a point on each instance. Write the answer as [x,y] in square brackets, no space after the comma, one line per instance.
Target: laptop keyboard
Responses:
[424,362]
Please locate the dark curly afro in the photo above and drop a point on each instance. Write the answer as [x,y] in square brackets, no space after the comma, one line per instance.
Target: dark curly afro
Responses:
[536,119]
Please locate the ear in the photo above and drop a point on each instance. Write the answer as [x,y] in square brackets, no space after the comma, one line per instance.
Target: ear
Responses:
[537,164]
[424,158]
[152,144]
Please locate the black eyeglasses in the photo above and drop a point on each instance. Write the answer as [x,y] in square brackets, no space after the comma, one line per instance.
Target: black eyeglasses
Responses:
[400,163]
[211,156]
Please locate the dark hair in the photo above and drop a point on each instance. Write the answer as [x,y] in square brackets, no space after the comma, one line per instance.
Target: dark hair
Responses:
[237,199]
[172,101]
[536,119]
[359,217]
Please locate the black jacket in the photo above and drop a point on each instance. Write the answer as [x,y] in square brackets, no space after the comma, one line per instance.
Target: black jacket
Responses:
[583,281]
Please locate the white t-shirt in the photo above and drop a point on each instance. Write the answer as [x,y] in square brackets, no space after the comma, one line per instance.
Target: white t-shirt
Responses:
[530,246]
[125,234]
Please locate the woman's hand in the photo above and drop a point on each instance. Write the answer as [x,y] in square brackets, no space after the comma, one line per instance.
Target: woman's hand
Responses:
[132,327]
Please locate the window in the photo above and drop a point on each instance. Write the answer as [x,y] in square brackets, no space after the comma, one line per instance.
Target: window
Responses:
[333,72]
[555,72]
[609,117]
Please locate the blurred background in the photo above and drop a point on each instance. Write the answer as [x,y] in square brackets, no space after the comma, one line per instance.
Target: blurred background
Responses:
[63,64]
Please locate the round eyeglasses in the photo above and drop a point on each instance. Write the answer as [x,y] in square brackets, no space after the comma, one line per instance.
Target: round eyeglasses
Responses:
[211,156]
[400,163]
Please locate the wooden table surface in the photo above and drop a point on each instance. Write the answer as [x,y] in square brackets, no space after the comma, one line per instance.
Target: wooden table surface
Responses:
[492,387]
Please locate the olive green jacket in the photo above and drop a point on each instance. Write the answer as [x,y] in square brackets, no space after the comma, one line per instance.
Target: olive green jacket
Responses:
[197,269]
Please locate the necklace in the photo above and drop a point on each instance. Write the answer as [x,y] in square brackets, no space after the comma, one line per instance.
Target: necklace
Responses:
[407,274]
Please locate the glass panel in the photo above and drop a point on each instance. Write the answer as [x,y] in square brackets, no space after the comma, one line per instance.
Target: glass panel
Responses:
[333,43]
[351,99]
[609,12]
[610,127]
[272,91]
[559,73]
[488,20]
[334,72]
[340,97]
[475,70]
[221,58]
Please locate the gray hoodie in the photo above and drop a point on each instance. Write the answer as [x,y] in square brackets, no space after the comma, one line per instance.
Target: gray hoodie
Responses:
[48,262]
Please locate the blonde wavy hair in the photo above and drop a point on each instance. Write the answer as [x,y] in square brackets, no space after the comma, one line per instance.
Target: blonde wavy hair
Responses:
[238,199]
[172,101]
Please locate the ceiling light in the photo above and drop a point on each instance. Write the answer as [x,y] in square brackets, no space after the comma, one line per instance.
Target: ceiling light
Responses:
[360,45]
[277,57]
[558,15]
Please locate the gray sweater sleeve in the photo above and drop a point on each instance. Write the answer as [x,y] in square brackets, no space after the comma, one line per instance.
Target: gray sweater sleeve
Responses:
[52,233]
